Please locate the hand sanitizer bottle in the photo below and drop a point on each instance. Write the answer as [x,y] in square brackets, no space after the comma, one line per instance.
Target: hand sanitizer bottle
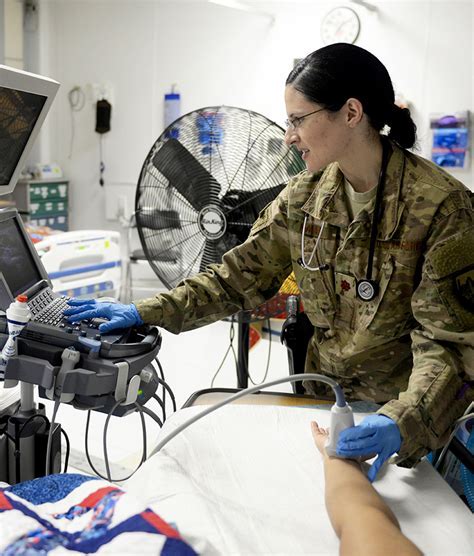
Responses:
[18,315]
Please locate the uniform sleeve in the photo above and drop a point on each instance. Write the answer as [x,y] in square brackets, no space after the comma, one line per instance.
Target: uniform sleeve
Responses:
[441,383]
[249,274]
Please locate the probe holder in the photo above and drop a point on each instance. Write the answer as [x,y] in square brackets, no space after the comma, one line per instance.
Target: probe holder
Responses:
[97,383]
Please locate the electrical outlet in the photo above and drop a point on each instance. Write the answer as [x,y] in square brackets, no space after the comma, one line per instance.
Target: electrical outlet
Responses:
[120,200]
[99,91]
[122,211]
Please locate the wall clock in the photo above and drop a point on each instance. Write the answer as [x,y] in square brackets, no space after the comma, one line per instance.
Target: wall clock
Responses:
[340,25]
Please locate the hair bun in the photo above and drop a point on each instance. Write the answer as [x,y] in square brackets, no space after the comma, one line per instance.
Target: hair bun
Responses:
[402,127]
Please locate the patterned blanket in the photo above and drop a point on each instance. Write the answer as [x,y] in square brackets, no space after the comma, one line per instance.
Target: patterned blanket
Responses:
[81,515]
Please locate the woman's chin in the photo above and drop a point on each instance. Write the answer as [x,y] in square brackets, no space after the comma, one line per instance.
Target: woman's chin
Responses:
[311,167]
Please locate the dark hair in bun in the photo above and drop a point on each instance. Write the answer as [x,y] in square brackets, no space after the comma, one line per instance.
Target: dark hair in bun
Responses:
[331,75]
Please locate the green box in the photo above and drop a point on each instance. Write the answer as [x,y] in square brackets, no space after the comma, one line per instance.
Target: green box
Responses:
[45,191]
[46,208]
[59,222]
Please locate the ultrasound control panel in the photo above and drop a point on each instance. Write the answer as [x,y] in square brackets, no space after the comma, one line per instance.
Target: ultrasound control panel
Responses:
[48,325]
[46,308]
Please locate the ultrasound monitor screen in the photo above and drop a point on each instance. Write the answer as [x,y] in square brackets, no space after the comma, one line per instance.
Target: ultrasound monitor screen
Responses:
[19,111]
[16,263]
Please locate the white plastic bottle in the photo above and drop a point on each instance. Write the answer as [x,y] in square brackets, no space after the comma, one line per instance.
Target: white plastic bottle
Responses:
[18,316]
[172,111]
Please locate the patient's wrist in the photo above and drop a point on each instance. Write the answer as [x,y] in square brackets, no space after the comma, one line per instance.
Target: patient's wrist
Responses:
[337,460]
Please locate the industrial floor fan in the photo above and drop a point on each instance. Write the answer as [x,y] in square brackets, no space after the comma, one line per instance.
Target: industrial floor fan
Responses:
[201,188]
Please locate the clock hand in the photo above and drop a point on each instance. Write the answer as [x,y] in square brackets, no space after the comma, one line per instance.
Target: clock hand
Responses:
[342,25]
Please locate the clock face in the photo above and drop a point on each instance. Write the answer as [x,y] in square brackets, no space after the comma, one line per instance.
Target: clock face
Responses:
[340,25]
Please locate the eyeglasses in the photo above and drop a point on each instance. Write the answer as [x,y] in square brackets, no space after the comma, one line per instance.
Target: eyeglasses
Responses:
[296,122]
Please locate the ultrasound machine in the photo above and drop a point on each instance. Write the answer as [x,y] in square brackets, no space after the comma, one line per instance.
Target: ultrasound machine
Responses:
[72,364]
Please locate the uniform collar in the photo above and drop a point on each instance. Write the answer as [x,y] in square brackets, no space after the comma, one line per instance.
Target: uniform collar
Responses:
[327,202]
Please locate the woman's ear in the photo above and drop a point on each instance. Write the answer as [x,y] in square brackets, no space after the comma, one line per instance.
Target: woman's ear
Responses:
[354,112]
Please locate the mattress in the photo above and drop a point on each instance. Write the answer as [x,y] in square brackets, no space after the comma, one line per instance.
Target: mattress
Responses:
[248,479]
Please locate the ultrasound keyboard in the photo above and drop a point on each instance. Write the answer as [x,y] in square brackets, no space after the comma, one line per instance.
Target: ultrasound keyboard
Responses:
[47,309]
[49,326]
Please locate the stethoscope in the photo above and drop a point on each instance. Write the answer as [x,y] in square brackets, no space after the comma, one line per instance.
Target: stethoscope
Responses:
[367,289]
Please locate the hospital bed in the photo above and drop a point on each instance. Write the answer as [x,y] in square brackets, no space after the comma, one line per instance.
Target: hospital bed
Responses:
[84,263]
[248,479]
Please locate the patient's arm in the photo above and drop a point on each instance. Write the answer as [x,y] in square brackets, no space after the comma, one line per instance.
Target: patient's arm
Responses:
[361,519]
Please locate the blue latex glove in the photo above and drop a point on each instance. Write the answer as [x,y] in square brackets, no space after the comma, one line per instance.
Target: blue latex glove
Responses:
[376,434]
[119,315]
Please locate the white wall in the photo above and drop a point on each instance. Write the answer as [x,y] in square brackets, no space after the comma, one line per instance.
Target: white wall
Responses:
[217,56]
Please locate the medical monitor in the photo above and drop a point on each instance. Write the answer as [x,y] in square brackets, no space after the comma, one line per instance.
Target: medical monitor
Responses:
[25,99]
[20,266]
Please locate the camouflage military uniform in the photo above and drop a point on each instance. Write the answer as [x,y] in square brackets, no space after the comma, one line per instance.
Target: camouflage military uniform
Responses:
[412,346]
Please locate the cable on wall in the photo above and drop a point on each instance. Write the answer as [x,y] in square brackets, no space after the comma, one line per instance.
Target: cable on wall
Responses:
[77,101]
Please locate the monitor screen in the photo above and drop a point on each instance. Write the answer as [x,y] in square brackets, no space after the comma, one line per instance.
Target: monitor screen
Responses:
[19,268]
[25,99]
[19,112]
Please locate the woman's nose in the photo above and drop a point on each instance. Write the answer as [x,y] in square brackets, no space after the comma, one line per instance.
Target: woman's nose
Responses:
[290,136]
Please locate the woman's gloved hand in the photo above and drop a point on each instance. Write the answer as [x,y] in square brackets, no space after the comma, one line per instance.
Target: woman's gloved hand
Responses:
[119,315]
[376,434]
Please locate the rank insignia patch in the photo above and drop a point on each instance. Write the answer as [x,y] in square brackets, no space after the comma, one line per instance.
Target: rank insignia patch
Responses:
[345,285]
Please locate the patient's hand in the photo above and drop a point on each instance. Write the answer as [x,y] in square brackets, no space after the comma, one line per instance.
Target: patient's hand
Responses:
[320,436]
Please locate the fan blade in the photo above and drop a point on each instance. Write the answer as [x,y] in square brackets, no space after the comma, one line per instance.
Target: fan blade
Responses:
[249,204]
[186,174]
[157,219]
[258,201]
[242,209]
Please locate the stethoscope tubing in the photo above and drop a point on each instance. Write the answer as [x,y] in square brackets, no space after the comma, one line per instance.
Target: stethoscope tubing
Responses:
[302,262]
[373,232]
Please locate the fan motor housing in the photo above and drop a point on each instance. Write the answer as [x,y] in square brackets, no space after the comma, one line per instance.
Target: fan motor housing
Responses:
[212,222]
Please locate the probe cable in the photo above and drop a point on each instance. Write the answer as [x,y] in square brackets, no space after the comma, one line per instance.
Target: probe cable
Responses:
[104,441]
[50,436]
[166,387]
[162,375]
[153,415]
[108,478]
[161,404]
[231,347]
[268,357]
[68,449]
[340,401]
[170,392]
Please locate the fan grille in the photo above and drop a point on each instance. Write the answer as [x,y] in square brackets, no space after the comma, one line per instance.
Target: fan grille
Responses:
[203,184]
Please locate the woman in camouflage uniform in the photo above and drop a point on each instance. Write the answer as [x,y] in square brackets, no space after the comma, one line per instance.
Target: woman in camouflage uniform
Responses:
[393,322]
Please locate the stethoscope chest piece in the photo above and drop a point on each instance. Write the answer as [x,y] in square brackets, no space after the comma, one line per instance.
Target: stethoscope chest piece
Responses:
[367,290]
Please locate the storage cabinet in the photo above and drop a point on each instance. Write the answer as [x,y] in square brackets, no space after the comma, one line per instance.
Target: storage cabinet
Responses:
[43,202]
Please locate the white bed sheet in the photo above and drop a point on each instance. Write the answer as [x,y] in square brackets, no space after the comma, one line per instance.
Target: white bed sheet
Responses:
[249,480]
